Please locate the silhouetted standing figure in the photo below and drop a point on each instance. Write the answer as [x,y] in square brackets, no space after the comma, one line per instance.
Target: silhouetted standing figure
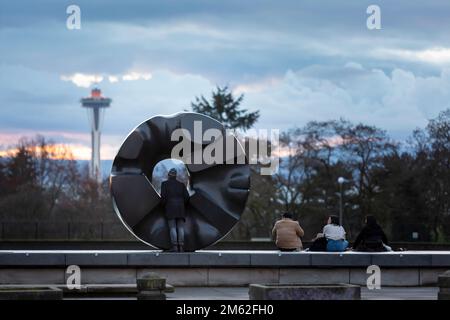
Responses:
[174,196]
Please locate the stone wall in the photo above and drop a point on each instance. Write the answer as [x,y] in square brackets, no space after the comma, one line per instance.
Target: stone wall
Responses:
[64,230]
[224,276]
[216,268]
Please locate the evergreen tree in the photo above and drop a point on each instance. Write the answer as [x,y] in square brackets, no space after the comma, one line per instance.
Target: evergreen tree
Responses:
[224,107]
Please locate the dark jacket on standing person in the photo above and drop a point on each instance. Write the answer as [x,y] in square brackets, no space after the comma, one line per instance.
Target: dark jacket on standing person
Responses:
[371,237]
[174,196]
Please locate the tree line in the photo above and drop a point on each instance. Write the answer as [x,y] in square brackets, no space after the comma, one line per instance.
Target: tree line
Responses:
[41,181]
[405,185]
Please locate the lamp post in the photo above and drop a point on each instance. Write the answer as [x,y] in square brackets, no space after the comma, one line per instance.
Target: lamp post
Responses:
[341,181]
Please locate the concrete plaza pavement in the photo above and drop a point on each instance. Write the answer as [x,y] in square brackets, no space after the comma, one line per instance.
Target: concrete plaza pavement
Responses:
[241,293]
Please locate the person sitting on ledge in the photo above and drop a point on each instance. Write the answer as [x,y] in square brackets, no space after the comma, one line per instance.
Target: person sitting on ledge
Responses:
[335,235]
[174,196]
[287,233]
[372,237]
[332,237]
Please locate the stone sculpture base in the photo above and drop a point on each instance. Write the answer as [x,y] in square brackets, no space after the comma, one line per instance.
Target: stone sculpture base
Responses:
[444,286]
[151,287]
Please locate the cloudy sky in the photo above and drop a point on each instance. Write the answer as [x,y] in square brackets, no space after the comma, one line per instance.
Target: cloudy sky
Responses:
[295,61]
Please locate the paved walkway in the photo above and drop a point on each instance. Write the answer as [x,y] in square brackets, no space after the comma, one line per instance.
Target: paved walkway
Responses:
[241,293]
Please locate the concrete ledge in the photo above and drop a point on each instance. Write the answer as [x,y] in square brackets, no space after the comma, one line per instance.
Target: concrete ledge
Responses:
[402,259]
[97,259]
[219,259]
[430,276]
[341,259]
[106,275]
[158,259]
[32,276]
[217,268]
[204,277]
[281,259]
[400,277]
[240,276]
[181,277]
[315,276]
[155,258]
[440,260]
[32,259]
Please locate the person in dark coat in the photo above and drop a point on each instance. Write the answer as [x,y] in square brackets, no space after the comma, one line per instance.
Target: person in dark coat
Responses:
[371,238]
[174,197]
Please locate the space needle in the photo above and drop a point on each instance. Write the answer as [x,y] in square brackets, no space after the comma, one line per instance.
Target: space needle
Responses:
[95,105]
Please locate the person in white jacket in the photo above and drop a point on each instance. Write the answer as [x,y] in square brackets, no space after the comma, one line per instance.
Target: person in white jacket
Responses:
[335,235]
[332,237]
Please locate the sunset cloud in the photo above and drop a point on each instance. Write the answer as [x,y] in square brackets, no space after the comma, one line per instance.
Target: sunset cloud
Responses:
[83,80]
[87,80]
[431,55]
[133,76]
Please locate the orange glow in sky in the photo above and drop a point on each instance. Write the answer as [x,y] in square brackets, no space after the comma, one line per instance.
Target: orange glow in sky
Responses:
[77,143]
[68,151]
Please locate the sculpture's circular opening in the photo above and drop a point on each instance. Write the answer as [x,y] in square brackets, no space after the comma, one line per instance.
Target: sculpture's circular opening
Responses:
[218,191]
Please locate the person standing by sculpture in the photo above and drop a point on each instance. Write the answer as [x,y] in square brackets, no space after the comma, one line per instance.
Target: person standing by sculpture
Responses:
[174,196]
[287,233]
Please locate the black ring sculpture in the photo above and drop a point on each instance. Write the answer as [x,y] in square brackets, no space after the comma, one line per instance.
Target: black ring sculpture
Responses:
[220,190]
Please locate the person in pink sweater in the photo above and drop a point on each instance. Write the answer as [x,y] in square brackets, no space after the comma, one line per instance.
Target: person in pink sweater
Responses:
[287,233]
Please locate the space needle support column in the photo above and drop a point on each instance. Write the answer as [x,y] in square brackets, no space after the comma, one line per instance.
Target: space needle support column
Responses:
[95,159]
[95,105]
